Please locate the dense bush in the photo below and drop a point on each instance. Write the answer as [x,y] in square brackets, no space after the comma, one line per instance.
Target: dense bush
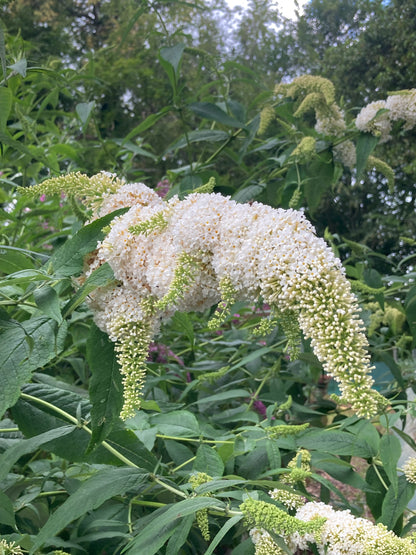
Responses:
[242,440]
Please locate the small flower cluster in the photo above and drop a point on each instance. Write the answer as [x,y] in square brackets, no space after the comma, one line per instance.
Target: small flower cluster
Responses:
[9,548]
[377,117]
[202,515]
[338,533]
[409,470]
[208,249]
[317,94]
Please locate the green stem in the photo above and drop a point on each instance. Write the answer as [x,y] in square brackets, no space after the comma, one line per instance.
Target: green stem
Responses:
[5,430]
[380,477]
[154,504]
[257,392]
[84,427]
[50,493]
[183,464]
[162,436]
[221,148]
[168,487]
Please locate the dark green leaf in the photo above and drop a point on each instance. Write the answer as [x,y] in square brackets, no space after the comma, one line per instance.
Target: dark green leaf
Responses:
[317,179]
[376,490]
[105,388]
[178,538]
[395,502]
[212,112]
[69,259]
[366,143]
[12,261]
[24,348]
[224,396]
[179,423]
[170,57]
[222,532]
[208,461]
[182,322]
[337,443]
[410,306]
[25,446]
[390,450]
[91,494]
[6,511]
[248,193]
[100,277]
[6,98]
[154,535]
[48,301]
[203,135]
[34,417]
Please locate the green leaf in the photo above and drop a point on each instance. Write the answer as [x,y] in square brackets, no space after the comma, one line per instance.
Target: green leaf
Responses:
[100,277]
[19,67]
[89,496]
[84,110]
[6,99]
[105,388]
[42,413]
[317,179]
[248,193]
[375,490]
[182,323]
[24,348]
[3,51]
[25,446]
[179,423]
[224,395]
[251,356]
[6,511]
[208,461]
[12,261]
[395,502]
[147,123]
[199,136]
[366,143]
[153,536]
[170,57]
[69,259]
[337,443]
[48,301]
[212,112]
[410,307]
[178,538]
[222,532]
[390,450]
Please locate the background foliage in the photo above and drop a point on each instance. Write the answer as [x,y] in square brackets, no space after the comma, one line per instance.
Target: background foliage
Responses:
[157,91]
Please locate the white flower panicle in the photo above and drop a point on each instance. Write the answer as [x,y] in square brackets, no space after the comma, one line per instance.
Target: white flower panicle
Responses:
[344,534]
[400,106]
[181,253]
[340,534]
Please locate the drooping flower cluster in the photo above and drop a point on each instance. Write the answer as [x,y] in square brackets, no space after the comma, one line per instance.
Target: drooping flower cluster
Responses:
[339,533]
[187,255]
[409,470]
[315,93]
[377,117]
[190,254]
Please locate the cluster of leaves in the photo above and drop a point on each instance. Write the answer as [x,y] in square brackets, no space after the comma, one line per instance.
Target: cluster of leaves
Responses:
[73,476]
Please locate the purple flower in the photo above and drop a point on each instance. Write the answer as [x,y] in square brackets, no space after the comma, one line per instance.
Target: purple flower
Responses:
[42,198]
